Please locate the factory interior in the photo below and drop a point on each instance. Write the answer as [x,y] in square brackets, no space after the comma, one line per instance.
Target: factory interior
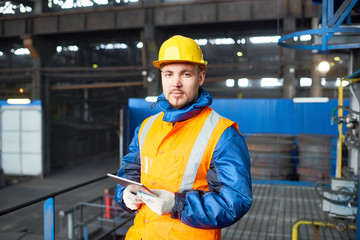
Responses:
[76,79]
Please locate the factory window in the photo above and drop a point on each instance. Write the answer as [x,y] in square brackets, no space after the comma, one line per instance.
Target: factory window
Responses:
[67,4]
[10,8]
[83,3]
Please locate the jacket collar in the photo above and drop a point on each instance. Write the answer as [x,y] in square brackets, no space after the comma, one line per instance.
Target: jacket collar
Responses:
[177,115]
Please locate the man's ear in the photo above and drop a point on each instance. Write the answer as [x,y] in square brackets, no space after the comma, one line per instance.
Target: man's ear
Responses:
[202,78]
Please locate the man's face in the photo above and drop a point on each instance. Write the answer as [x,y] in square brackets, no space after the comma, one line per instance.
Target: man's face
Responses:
[180,83]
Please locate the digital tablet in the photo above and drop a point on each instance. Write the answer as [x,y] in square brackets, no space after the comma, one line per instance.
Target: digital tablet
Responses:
[134,187]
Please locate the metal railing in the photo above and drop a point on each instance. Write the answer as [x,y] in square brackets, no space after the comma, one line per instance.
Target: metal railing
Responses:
[72,223]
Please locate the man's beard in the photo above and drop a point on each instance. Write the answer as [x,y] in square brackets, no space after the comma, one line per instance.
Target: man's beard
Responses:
[178,106]
[185,104]
[182,105]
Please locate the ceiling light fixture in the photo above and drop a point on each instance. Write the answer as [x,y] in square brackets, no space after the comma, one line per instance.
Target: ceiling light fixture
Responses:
[18,101]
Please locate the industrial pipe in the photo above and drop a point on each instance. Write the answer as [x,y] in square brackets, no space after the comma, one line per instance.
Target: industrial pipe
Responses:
[295,228]
[341,136]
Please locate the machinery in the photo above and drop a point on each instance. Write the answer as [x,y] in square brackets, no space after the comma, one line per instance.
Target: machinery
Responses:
[340,195]
[340,199]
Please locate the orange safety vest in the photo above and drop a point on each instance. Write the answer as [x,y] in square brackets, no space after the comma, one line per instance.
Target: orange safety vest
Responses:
[176,158]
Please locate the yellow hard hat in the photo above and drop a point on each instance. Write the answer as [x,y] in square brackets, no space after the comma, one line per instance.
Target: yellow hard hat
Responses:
[180,49]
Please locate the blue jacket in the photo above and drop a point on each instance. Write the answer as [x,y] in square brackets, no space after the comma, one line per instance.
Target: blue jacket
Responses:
[229,196]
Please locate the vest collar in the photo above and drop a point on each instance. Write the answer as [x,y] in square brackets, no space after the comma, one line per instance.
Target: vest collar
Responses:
[177,115]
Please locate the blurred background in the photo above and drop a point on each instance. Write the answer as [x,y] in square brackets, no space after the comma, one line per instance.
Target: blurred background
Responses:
[285,71]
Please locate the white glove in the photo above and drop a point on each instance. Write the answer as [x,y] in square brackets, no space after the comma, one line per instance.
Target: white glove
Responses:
[131,201]
[162,204]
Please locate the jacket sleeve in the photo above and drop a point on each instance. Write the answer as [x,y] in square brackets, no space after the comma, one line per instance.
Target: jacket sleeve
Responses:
[229,196]
[130,168]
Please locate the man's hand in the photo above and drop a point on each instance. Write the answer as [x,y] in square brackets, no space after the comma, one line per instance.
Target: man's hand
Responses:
[131,201]
[162,204]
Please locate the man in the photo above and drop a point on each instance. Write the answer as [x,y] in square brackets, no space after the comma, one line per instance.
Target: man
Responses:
[194,160]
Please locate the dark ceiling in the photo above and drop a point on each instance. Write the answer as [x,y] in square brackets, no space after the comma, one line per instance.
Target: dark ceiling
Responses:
[106,68]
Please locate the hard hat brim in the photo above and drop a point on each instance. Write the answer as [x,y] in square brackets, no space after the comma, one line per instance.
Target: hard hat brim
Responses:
[158,63]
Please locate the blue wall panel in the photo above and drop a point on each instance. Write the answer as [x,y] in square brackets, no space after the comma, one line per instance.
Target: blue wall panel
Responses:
[139,109]
[259,115]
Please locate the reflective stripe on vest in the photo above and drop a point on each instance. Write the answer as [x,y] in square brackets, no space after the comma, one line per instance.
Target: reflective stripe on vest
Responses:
[146,129]
[197,151]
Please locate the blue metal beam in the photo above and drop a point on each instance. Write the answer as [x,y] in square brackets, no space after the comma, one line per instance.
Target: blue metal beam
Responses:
[282,40]
[341,13]
[324,22]
[330,26]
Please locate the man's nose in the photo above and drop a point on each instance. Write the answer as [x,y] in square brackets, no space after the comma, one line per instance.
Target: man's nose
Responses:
[177,80]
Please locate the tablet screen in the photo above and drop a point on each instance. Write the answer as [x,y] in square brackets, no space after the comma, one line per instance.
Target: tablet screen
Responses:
[134,187]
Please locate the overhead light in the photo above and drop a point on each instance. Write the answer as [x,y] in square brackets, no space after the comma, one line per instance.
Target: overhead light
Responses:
[241,41]
[266,39]
[21,51]
[18,101]
[323,67]
[73,48]
[323,81]
[306,37]
[311,100]
[271,82]
[139,45]
[111,46]
[151,98]
[222,41]
[305,82]
[230,82]
[239,54]
[343,83]
[336,59]
[243,82]
[201,42]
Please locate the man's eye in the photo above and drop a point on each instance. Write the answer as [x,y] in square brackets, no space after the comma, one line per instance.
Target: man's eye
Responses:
[187,74]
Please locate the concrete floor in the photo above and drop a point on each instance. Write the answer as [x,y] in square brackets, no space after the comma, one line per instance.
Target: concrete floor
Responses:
[274,211]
